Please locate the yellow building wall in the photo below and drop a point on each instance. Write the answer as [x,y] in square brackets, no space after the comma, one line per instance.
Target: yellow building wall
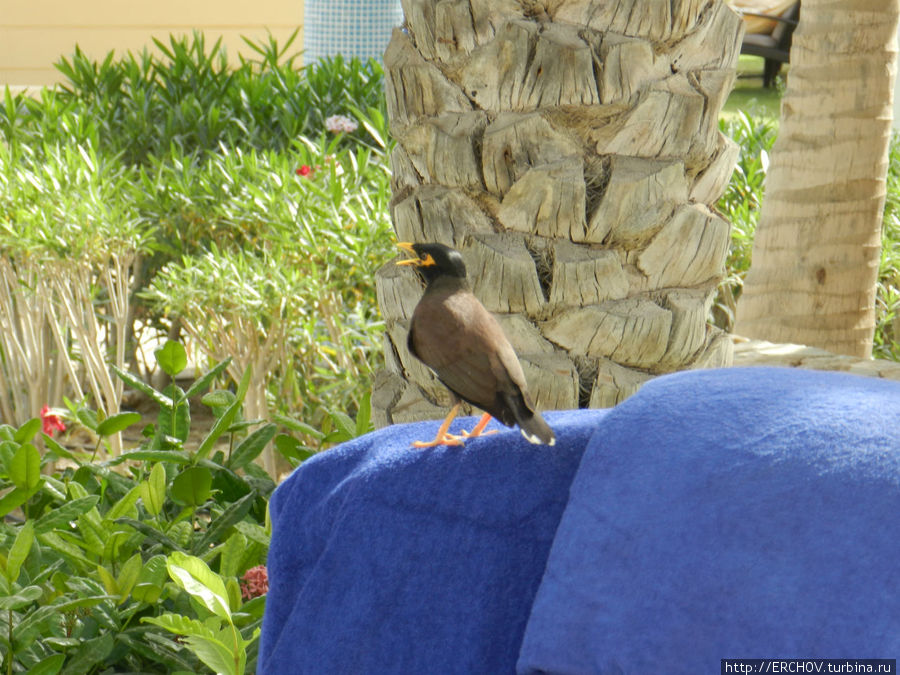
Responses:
[34,34]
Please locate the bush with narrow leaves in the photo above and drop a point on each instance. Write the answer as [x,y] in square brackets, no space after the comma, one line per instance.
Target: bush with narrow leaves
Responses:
[134,563]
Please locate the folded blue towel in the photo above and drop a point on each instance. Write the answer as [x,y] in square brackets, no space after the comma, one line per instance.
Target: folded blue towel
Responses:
[743,513]
[388,559]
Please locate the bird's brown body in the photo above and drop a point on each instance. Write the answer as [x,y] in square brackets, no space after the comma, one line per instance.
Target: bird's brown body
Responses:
[454,335]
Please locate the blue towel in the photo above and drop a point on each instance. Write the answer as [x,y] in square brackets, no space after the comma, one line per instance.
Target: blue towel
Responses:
[388,559]
[744,513]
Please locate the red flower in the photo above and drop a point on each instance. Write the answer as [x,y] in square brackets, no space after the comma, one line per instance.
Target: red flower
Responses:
[255,582]
[51,422]
[304,171]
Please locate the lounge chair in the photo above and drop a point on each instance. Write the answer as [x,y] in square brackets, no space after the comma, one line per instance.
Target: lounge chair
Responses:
[774,47]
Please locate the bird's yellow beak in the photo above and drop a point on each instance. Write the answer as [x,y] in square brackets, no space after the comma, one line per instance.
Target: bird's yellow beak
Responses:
[408,247]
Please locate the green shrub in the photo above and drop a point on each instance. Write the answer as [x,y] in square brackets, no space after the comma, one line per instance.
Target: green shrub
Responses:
[279,267]
[111,558]
[740,204]
[208,177]
[140,106]
[887,300]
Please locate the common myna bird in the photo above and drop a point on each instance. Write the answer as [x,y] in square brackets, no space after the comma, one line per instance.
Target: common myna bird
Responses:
[453,334]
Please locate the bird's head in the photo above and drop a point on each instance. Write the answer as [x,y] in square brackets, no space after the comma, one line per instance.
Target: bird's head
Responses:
[434,260]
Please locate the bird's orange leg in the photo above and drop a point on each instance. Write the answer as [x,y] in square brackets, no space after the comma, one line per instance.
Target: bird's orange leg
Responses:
[442,437]
[478,429]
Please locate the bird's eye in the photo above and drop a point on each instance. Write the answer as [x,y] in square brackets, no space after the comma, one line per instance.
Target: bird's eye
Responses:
[427,261]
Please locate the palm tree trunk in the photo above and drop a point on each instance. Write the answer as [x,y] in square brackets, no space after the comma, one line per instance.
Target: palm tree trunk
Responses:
[817,245]
[570,149]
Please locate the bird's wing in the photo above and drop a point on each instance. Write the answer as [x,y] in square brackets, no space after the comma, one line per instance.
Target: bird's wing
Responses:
[465,346]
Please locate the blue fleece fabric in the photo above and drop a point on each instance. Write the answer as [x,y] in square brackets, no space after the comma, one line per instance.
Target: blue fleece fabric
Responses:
[389,559]
[744,513]
[738,513]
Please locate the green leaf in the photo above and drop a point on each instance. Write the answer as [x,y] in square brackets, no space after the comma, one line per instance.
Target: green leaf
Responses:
[364,415]
[121,541]
[147,592]
[255,607]
[149,584]
[220,398]
[27,431]
[118,422]
[128,576]
[55,488]
[291,448]
[180,625]
[158,649]
[153,490]
[7,450]
[143,387]
[19,551]
[218,429]
[71,552]
[228,519]
[88,418]
[90,654]
[48,666]
[75,488]
[21,599]
[25,467]
[195,577]
[301,427]
[207,379]
[62,515]
[244,384]
[193,486]
[176,456]
[171,357]
[58,450]
[233,586]
[345,424]
[253,532]
[108,580]
[250,447]
[216,654]
[151,532]
[33,621]
[241,425]
[367,124]
[93,534]
[61,643]
[124,506]
[14,499]
[175,422]
[232,555]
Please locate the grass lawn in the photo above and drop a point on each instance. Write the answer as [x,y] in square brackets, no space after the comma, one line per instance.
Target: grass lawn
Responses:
[749,94]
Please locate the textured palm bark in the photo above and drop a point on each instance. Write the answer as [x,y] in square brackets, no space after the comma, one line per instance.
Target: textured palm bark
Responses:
[817,245]
[570,149]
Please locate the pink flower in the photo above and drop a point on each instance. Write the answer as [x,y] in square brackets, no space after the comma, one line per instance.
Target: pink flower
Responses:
[339,123]
[51,422]
[255,582]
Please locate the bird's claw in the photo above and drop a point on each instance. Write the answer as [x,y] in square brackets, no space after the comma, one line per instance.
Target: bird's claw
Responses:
[475,434]
[443,439]
[453,439]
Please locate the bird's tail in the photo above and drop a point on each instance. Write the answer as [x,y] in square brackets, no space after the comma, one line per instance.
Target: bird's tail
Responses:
[536,430]
[518,409]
